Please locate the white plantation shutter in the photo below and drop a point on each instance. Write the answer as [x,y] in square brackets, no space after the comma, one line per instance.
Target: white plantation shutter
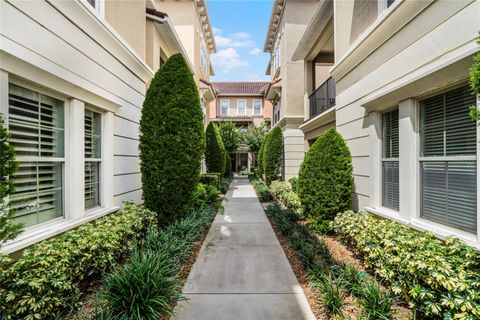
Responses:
[449,183]
[36,124]
[390,165]
[92,158]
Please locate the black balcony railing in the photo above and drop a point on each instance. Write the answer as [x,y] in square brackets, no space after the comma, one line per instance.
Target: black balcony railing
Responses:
[323,98]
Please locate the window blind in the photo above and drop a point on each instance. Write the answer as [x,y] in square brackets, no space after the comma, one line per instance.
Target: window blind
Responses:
[449,185]
[36,124]
[390,164]
[92,158]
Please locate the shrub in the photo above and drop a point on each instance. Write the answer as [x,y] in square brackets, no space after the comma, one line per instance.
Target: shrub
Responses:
[325,180]
[212,178]
[8,167]
[228,166]
[143,289]
[262,191]
[283,191]
[441,278]
[273,155]
[45,280]
[254,137]
[261,154]
[294,183]
[172,140]
[215,155]
[148,286]
[225,185]
[330,294]
[207,195]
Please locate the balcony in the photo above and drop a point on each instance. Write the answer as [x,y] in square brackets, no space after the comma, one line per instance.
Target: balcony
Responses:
[323,98]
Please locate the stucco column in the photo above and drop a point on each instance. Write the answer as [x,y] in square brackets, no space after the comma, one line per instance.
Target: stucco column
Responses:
[294,150]
[408,168]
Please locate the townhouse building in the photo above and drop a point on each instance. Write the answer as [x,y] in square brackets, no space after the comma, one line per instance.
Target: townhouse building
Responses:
[244,104]
[288,21]
[73,76]
[392,77]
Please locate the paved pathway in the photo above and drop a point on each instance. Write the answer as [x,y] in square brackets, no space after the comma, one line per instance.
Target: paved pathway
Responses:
[242,272]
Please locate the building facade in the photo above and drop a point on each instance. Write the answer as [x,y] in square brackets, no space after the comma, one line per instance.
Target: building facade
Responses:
[73,76]
[244,104]
[392,77]
[288,21]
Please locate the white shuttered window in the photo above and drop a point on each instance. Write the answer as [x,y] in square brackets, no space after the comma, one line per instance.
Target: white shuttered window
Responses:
[93,139]
[448,160]
[390,165]
[36,124]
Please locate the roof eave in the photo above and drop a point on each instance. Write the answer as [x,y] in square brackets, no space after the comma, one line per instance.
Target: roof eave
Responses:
[275,17]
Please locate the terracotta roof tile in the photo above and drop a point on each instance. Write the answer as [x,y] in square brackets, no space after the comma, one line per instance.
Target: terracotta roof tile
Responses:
[253,88]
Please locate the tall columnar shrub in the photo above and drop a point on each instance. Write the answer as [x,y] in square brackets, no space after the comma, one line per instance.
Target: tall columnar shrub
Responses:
[8,166]
[215,151]
[325,181]
[261,153]
[228,165]
[273,154]
[172,141]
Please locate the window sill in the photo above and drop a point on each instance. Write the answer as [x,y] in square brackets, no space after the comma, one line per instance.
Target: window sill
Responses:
[52,228]
[440,231]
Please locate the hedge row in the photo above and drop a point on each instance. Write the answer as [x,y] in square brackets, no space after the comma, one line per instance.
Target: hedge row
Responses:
[440,278]
[215,155]
[211,178]
[45,281]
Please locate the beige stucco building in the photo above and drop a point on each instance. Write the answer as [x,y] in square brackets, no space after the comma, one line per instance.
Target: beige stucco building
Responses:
[73,77]
[244,104]
[288,21]
[401,100]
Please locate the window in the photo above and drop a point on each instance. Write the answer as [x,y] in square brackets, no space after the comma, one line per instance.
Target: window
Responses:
[97,5]
[37,128]
[390,164]
[93,140]
[448,160]
[257,107]
[275,59]
[241,107]
[276,111]
[224,107]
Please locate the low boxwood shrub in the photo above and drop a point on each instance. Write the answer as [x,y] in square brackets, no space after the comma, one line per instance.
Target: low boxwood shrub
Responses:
[284,192]
[45,281]
[148,286]
[273,155]
[440,278]
[325,181]
[212,178]
[215,155]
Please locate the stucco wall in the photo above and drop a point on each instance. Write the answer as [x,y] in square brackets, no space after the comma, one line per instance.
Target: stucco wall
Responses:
[267,106]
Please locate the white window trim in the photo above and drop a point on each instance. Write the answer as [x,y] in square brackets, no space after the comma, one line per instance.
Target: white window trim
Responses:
[73,201]
[261,107]
[241,100]
[228,107]
[99,7]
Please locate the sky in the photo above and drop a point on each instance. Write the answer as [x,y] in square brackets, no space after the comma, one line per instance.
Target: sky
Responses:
[240,28]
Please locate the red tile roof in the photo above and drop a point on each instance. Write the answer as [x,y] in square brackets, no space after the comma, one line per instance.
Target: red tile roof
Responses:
[232,88]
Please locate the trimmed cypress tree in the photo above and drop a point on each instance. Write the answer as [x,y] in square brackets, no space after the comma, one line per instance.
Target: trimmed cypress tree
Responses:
[172,140]
[261,153]
[325,181]
[272,155]
[228,165]
[215,155]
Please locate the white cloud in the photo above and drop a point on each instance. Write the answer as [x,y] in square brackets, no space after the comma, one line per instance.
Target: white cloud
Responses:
[255,51]
[236,40]
[228,59]
[216,31]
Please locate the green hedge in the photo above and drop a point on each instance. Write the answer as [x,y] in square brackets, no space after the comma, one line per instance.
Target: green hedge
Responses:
[45,281]
[284,192]
[440,278]
[211,178]
[215,155]
[273,155]
[325,181]
[172,140]
[262,191]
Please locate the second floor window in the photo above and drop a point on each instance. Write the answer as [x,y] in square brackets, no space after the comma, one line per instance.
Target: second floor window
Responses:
[257,107]
[224,106]
[241,107]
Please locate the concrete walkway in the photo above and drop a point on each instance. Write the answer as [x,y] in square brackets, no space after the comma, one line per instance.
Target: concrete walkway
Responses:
[242,272]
